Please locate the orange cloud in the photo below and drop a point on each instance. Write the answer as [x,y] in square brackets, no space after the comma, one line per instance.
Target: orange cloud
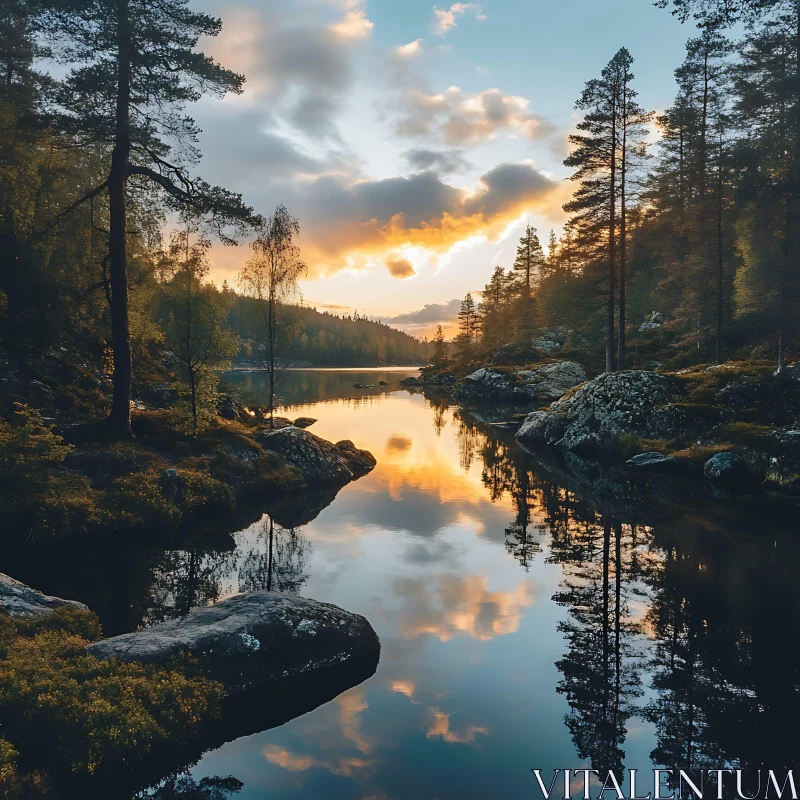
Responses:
[355,224]
[441,728]
[461,604]
[400,268]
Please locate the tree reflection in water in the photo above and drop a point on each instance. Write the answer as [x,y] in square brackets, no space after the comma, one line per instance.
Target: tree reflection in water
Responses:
[277,561]
[699,609]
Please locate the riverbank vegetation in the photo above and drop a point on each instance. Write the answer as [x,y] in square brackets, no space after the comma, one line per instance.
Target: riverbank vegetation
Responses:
[70,720]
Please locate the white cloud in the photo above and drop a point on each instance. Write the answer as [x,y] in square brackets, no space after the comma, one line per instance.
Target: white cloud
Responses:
[355,24]
[409,50]
[445,18]
[460,118]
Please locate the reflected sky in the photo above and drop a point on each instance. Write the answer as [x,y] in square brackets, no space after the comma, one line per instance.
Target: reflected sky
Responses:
[464,701]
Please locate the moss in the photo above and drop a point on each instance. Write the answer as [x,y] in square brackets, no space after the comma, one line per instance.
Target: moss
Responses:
[703,383]
[630,445]
[706,412]
[748,435]
[695,457]
[69,717]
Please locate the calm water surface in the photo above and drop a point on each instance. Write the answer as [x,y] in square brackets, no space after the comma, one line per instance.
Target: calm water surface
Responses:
[524,624]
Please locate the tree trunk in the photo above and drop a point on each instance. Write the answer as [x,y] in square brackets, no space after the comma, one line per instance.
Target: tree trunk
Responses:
[269,556]
[612,225]
[704,127]
[622,228]
[271,364]
[719,259]
[119,419]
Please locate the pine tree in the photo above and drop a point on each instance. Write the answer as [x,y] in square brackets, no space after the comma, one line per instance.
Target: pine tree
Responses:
[632,127]
[495,309]
[467,329]
[714,14]
[528,266]
[596,163]
[138,68]
[439,348]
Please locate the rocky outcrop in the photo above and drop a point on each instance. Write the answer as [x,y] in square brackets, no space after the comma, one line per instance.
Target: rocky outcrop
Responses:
[547,382]
[304,422]
[727,469]
[593,419]
[319,461]
[20,601]
[251,640]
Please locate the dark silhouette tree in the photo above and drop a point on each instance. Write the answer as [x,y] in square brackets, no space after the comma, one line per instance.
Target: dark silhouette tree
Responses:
[595,160]
[135,68]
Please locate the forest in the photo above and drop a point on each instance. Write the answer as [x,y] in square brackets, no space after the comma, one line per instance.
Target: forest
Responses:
[682,239]
[325,339]
[105,231]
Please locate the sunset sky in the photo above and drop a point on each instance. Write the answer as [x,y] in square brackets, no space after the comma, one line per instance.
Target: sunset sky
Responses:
[413,141]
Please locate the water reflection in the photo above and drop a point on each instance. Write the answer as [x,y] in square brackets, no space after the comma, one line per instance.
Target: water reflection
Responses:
[531,615]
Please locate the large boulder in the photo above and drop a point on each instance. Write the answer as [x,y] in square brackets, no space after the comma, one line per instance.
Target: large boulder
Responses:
[553,380]
[593,419]
[727,469]
[20,601]
[251,640]
[319,461]
[547,382]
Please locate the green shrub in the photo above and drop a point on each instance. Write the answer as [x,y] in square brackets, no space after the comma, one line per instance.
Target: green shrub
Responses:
[137,501]
[37,494]
[71,717]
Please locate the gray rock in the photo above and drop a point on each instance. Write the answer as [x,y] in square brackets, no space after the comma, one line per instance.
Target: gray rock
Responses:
[548,382]
[304,422]
[727,469]
[410,381]
[553,380]
[652,462]
[251,640]
[653,322]
[605,408]
[319,461]
[546,345]
[20,601]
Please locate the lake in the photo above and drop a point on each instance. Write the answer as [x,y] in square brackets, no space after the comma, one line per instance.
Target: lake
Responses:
[526,621]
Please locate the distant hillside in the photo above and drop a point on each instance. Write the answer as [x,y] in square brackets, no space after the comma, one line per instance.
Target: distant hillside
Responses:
[327,340]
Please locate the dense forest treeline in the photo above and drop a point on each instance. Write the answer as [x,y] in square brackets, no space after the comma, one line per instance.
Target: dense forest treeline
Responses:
[327,340]
[680,251]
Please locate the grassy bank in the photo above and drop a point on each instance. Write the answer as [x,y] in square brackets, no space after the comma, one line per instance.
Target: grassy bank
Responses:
[68,481]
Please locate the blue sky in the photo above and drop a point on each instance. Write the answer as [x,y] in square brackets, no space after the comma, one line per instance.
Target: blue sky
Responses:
[414,141]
